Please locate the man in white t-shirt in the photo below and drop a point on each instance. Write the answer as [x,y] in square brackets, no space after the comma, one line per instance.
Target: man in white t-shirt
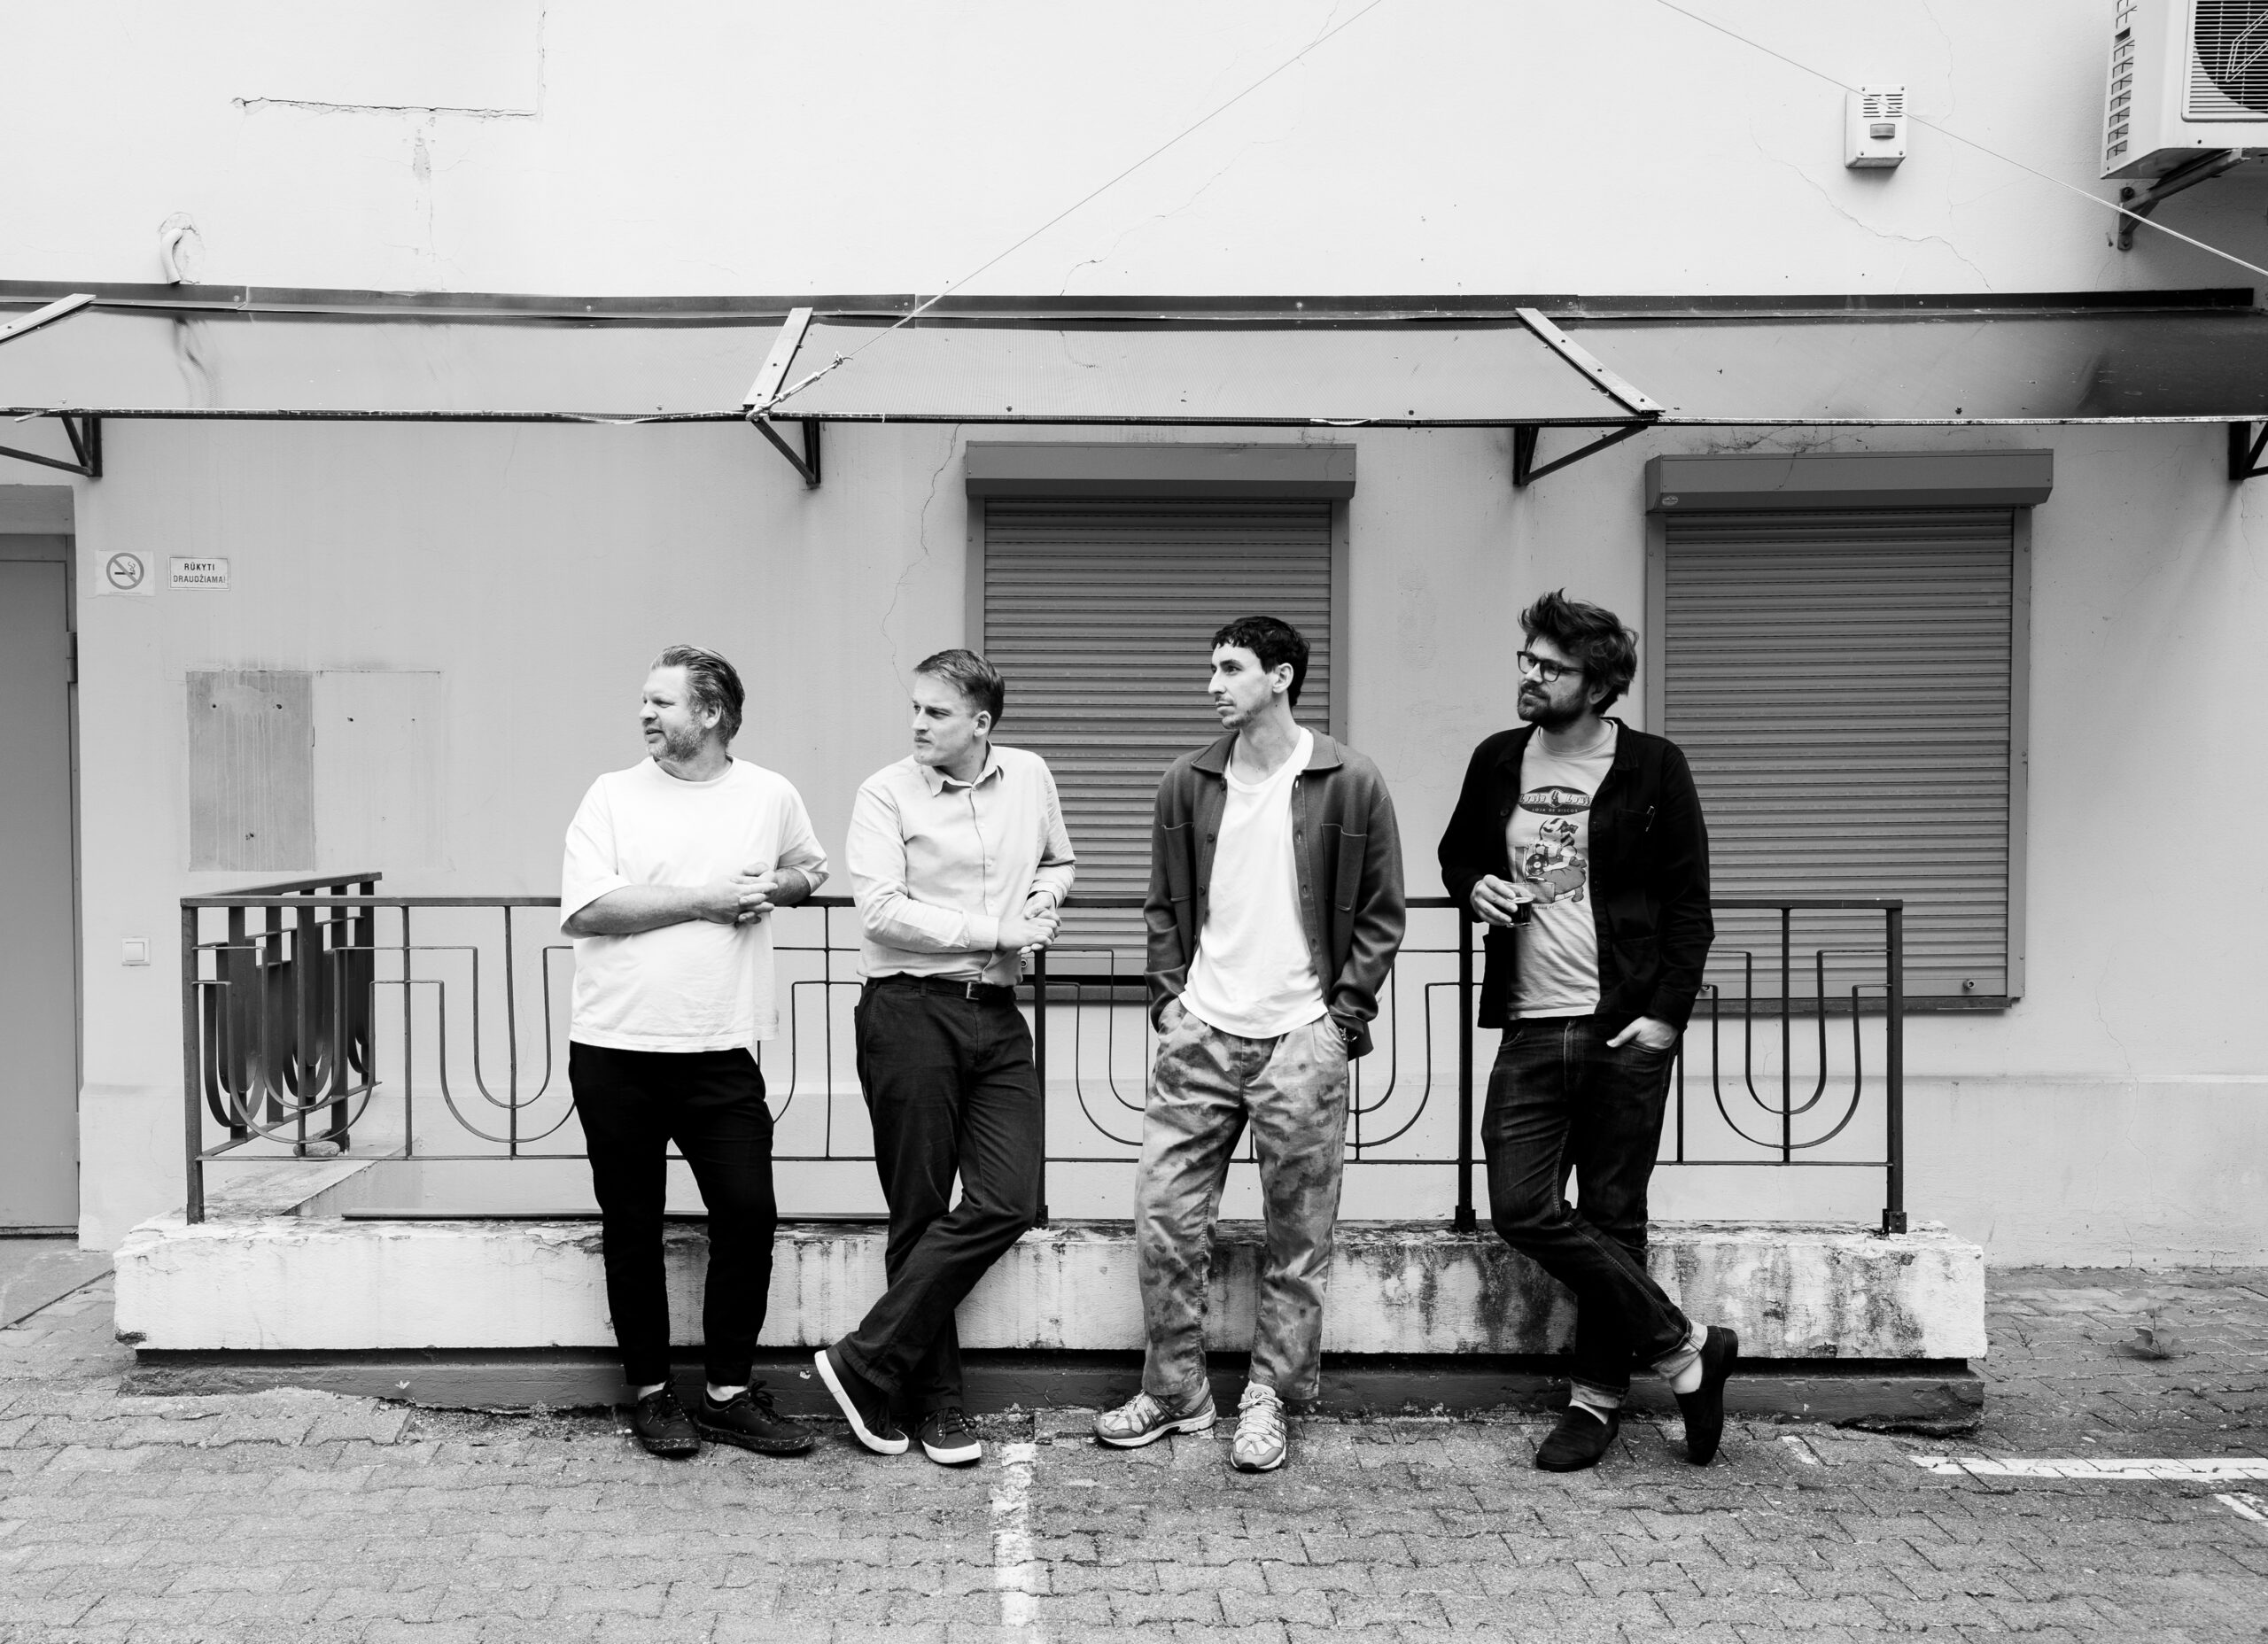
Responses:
[1275,911]
[672,869]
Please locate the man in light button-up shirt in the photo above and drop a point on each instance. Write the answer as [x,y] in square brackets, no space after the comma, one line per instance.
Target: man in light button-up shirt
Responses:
[958,860]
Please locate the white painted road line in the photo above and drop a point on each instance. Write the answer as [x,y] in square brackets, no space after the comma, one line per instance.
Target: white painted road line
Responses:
[2244,1504]
[1015,1575]
[2193,1470]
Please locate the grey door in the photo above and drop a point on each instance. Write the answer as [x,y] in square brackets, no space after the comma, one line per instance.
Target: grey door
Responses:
[39,971]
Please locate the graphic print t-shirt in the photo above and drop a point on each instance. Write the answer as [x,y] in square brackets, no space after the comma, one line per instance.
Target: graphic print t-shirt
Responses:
[1550,840]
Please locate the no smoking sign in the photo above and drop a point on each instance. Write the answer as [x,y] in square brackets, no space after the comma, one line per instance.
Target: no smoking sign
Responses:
[124,572]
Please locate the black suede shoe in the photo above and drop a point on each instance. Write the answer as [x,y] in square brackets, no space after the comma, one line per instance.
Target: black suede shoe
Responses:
[948,1439]
[662,1425]
[864,1406]
[1704,1408]
[749,1420]
[1579,1441]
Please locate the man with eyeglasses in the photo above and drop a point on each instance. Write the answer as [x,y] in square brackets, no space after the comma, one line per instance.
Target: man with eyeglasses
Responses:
[1579,841]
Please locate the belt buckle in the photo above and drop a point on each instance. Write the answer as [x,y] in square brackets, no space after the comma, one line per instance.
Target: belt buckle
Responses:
[968,991]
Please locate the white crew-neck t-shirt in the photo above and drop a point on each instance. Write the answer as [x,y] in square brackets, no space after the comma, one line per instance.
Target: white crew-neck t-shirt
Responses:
[1253,975]
[1550,840]
[698,985]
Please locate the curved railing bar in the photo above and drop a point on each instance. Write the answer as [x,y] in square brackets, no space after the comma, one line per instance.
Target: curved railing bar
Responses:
[510,1138]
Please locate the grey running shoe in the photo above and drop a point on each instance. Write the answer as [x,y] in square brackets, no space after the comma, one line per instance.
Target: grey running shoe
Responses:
[1142,1419]
[1260,1445]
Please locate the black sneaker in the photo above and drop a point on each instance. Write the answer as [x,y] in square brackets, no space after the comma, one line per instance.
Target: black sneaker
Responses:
[948,1439]
[1580,1440]
[749,1420]
[864,1406]
[662,1425]
[1704,1408]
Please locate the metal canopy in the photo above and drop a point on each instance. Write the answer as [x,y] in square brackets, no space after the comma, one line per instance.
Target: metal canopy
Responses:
[2094,358]
[2028,368]
[1383,374]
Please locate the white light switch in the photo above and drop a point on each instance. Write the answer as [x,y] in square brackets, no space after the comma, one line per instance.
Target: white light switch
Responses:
[136,951]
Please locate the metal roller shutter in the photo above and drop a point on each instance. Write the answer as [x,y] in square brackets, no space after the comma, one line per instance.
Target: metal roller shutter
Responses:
[1841,683]
[1099,613]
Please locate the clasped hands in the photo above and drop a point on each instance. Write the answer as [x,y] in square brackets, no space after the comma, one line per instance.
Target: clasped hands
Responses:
[1028,931]
[743,899]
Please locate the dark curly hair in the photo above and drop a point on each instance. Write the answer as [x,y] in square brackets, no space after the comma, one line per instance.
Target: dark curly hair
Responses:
[1605,650]
[1274,642]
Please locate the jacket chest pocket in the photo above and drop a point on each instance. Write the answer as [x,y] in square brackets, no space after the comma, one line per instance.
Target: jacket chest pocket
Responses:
[1176,848]
[1347,870]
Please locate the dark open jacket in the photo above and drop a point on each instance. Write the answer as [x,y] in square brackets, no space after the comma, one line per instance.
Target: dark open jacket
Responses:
[1349,860]
[1649,874]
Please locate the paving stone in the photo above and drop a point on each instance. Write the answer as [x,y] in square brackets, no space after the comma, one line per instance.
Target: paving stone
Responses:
[311,1518]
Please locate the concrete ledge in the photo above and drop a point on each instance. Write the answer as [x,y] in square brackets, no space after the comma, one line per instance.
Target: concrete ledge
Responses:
[1799,1292]
[1923,1395]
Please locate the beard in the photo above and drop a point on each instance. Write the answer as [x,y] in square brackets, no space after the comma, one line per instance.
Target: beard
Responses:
[1537,709]
[683,742]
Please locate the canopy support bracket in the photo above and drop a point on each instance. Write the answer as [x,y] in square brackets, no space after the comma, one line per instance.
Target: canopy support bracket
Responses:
[1525,435]
[86,436]
[806,464]
[2136,205]
[2245,449]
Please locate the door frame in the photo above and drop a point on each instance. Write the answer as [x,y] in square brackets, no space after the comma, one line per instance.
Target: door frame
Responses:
[37,524]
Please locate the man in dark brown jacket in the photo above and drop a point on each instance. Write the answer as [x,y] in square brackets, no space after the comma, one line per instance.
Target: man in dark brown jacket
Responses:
[1275,911]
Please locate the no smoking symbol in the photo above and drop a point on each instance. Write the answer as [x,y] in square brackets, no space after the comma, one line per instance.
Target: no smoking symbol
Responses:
[125,572]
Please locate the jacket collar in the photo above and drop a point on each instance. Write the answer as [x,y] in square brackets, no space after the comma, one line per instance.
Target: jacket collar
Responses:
[1214,759]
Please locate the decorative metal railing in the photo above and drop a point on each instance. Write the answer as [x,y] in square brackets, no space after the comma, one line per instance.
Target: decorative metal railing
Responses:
[319,1016]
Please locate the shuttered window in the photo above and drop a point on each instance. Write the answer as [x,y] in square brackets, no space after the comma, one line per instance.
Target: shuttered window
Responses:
[1099,613]
[1843,685]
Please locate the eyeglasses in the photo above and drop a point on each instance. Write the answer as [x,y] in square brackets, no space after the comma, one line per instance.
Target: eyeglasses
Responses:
[1544,668]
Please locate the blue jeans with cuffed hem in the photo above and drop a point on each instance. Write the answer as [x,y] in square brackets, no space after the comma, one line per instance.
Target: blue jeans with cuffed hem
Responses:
[1561,1103]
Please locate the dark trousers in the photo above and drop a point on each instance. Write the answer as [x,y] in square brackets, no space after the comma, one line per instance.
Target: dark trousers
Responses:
[950,1090]
[1560,1104]
[633,1104]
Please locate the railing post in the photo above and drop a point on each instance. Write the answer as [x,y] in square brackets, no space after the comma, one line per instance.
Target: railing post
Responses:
[192,1097]
[1466,1220]
[1894,1214]
[1039,1067]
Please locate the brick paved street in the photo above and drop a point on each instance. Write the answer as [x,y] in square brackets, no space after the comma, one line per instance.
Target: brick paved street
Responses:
[310,1517]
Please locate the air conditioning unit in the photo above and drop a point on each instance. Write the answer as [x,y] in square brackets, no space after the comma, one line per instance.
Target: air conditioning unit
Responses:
[2186,76]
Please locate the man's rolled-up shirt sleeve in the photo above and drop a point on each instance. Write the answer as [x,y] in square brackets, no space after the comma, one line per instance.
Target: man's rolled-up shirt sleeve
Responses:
[1058,866]
[875,856]
[591,868]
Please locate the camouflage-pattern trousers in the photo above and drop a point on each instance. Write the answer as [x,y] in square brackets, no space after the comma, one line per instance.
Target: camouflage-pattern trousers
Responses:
[1207,1086]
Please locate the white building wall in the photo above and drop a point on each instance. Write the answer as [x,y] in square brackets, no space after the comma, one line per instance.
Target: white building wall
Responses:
[2117,1113]
[1436,146]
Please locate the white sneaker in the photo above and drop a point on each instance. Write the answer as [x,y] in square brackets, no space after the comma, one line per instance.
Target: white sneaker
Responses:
[1142,1419]
[1259,1446]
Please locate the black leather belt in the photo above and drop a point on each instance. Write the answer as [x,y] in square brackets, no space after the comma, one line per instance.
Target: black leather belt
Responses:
[981,992]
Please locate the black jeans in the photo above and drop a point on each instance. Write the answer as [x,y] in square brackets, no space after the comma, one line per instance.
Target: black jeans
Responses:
[710,1102]
[950,1089]
[1561,1103]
